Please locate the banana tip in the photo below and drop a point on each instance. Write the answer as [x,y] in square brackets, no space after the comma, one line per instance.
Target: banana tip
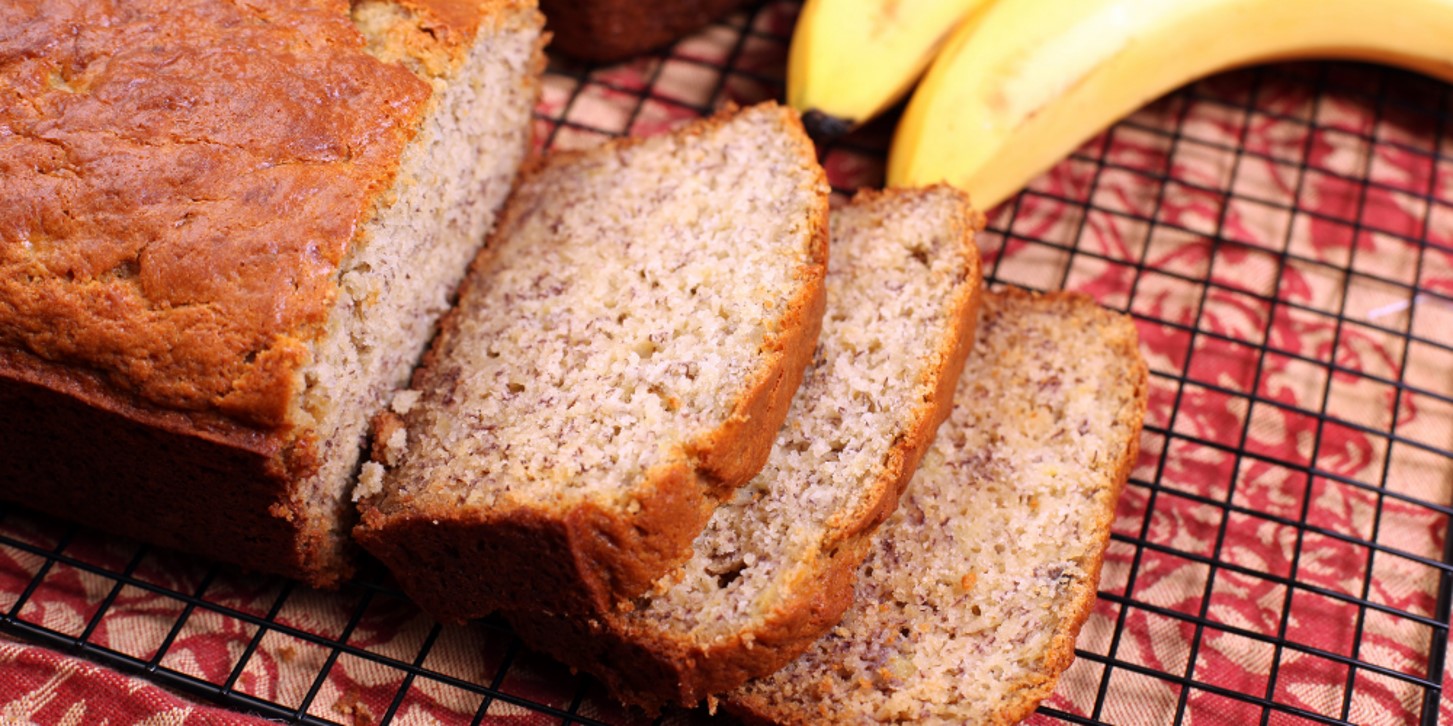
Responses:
[825,127]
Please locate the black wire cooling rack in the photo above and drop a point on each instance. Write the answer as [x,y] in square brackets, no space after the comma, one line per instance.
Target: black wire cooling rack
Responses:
[1199,489]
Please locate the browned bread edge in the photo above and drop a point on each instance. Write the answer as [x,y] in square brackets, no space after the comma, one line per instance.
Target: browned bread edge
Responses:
[202,485]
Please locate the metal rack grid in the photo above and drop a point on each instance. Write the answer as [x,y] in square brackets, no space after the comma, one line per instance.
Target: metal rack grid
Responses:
[1296,456]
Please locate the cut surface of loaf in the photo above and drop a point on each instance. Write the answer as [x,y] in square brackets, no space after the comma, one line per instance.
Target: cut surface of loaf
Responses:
[774,567]
[226,233]
[968,607]
[619,360]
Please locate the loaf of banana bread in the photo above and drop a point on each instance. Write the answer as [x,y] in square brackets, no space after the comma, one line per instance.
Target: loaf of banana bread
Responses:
[226,232]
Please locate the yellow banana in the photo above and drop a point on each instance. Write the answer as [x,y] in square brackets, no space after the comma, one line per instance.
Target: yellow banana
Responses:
[1023,83]
[851,59]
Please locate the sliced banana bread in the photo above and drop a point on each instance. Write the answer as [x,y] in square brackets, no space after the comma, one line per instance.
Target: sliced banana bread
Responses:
[968,607]
[621,357]
[774,568]
[226,233]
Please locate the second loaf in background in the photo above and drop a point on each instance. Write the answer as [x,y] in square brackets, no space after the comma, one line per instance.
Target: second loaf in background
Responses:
[620,360]
[774,568]
[606,31]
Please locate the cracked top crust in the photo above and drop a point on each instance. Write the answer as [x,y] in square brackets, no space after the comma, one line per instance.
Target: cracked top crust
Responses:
[180,180]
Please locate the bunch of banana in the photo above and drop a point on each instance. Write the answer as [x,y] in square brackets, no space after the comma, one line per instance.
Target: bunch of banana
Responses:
[852,59]
[1018,84]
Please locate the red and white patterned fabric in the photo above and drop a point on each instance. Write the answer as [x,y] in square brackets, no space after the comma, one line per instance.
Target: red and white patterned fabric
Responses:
[1265,229]
[44,687]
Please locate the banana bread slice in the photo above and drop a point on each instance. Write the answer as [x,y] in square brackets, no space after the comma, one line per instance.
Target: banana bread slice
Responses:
[226,233]
[968,607]
[621,356]
[774,568]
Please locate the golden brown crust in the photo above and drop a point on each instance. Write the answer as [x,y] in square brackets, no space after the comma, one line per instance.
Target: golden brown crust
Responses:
[453,24]
[178,184]
[612,30]
[599,558]
[144,183]
[644,667]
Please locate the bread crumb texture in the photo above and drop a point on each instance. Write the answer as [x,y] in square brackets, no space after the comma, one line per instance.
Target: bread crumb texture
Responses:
[404,267]
[902,268]
[967,607]
[628,297]
[773,568]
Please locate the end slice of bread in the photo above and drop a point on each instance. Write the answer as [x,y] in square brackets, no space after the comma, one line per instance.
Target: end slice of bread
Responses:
[968,607]
[621,357]
[774,568]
